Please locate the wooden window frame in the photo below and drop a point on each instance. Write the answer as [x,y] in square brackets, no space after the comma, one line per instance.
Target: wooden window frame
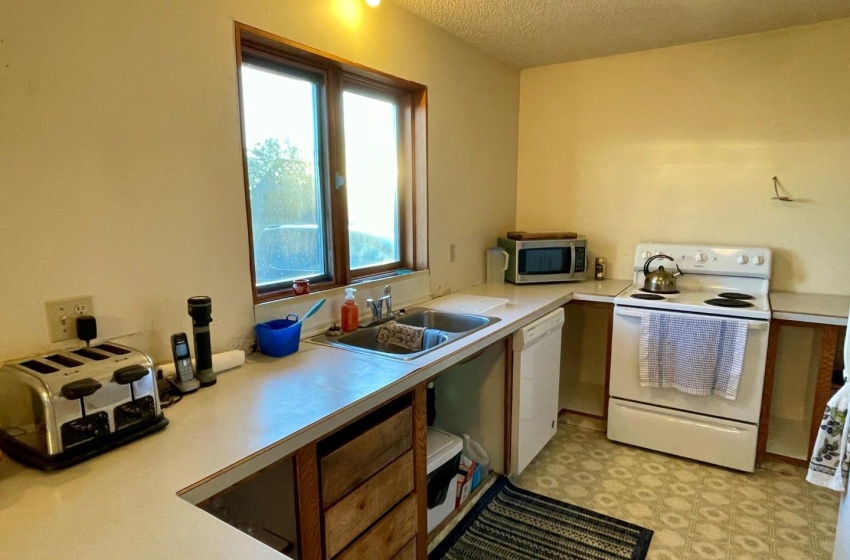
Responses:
[341,75]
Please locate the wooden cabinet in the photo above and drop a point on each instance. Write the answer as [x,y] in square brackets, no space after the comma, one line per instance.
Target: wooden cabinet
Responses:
[356,460]
[586,358]
[801,357]
[362,490]
[388,536]
[807,334]
[354,513]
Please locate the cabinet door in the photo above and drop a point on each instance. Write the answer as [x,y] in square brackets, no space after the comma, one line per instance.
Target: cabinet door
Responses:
[345,468]
[354,513]
[406,553]
[388,537]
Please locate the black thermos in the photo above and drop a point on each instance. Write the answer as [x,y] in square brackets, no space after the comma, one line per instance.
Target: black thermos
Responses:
[200,309]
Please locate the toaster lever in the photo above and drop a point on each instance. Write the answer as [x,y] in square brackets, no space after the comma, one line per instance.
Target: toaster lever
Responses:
[129,374]
[79,389]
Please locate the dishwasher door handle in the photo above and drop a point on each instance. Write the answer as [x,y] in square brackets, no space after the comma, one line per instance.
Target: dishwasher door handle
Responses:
[752,325]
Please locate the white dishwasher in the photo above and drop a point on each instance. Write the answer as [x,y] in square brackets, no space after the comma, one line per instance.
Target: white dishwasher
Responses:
[536,374]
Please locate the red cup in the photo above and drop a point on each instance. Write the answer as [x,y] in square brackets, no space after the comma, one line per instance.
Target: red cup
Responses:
[301,287]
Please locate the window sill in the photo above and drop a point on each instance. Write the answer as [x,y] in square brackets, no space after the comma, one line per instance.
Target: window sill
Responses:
[410,288]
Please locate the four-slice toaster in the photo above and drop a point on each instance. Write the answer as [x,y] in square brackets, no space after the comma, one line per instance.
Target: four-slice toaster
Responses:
[59,409]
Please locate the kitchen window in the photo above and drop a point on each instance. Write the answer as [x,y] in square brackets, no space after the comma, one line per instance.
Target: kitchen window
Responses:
[335,173]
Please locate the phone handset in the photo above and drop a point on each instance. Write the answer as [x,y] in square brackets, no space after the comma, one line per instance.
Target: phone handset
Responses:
[184,380]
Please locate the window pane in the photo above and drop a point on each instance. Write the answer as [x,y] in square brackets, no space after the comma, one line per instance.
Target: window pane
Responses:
[284,175]
[371,168]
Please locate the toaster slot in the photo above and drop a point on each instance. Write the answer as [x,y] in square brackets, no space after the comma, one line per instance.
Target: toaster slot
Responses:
[117,350]
[90,354]
[63,360]
[40,367]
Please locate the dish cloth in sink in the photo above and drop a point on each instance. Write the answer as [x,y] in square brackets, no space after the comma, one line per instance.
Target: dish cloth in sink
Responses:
[405,336]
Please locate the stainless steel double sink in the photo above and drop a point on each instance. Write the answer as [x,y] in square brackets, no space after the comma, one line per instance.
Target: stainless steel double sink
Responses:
[441,328]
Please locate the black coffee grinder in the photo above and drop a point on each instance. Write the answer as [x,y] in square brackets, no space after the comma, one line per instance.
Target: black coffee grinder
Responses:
[200,309]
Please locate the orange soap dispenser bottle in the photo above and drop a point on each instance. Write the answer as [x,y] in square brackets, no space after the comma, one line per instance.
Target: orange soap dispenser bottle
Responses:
[350,314]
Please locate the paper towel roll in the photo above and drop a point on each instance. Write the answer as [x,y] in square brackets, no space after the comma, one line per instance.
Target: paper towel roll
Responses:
[222,361]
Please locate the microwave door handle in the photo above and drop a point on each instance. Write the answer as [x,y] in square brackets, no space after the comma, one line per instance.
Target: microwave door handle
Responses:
[572,259]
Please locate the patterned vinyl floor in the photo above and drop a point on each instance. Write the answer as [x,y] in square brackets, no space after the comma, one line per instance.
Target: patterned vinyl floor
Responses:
[696,510]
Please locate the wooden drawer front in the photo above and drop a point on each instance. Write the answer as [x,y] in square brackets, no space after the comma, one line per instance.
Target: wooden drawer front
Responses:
[353,514]
[347,467]
[388,537]
[406,553]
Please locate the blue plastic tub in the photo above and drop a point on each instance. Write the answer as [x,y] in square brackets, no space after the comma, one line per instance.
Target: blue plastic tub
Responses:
[279,337]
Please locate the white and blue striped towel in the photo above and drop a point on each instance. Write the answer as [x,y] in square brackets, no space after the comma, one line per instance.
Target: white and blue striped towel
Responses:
[697,355]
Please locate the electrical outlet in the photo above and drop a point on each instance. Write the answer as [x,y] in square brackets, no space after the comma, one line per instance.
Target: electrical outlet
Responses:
[62,314]
[451,252]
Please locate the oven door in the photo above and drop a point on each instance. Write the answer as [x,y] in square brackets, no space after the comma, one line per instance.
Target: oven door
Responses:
[625,376]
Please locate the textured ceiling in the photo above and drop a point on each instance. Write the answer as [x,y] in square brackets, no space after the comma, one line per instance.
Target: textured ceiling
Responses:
[529,33]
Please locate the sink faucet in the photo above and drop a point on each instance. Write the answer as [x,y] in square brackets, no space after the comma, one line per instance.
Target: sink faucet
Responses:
[377,306]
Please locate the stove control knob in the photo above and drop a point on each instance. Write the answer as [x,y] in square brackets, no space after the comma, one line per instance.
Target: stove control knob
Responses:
[742,259]
[758,260]
[645,255]
[700,257]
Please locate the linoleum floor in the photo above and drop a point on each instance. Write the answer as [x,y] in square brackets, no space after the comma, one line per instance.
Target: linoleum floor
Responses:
[698,511]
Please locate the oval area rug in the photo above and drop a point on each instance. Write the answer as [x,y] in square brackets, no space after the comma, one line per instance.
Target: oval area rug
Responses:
[510,523]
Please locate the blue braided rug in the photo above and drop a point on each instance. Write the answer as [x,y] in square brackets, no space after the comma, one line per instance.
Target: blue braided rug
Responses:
[509,523]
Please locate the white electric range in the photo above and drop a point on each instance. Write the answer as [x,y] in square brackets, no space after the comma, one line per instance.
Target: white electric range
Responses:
[727,284]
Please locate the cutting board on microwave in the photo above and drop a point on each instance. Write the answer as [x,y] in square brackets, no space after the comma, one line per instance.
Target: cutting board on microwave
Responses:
[537,235]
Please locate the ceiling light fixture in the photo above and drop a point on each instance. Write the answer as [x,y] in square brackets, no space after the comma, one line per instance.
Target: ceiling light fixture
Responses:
[373,3]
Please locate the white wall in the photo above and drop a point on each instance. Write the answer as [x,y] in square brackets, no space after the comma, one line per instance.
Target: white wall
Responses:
[120,155]
[680,145]
[842,530]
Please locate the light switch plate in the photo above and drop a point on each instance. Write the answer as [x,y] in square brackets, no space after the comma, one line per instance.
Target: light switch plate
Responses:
[62,314]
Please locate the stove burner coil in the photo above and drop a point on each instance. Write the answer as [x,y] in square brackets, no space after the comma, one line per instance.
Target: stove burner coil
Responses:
[647,296]
[657,293]
[735,295]
[726,302]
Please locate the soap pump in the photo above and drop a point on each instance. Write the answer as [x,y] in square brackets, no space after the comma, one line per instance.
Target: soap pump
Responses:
[350,314]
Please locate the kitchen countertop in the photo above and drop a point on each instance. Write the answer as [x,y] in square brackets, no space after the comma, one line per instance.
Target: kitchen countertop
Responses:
[125,503]
[589,290]
[810,308]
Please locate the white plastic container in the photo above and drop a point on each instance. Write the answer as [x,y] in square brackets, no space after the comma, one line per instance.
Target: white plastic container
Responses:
[444,451]
[497,264]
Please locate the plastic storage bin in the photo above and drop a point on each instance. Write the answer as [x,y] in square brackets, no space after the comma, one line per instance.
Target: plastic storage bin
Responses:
[279,337]
[444,451]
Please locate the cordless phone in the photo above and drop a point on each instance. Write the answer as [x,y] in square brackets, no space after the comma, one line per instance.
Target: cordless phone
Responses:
[184,379]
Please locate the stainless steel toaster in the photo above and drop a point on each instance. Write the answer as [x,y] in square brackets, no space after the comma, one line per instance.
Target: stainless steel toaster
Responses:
[59,409]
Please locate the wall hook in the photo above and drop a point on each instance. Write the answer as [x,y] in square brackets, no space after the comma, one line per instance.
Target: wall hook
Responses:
[776,190]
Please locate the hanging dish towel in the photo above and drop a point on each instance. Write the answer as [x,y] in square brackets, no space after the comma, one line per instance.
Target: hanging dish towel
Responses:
[696,355]
[830,461]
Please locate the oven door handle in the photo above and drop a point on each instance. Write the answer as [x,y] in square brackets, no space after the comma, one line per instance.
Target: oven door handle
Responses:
[753,325]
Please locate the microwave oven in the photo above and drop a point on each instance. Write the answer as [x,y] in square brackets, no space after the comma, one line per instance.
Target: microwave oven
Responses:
[545,260]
